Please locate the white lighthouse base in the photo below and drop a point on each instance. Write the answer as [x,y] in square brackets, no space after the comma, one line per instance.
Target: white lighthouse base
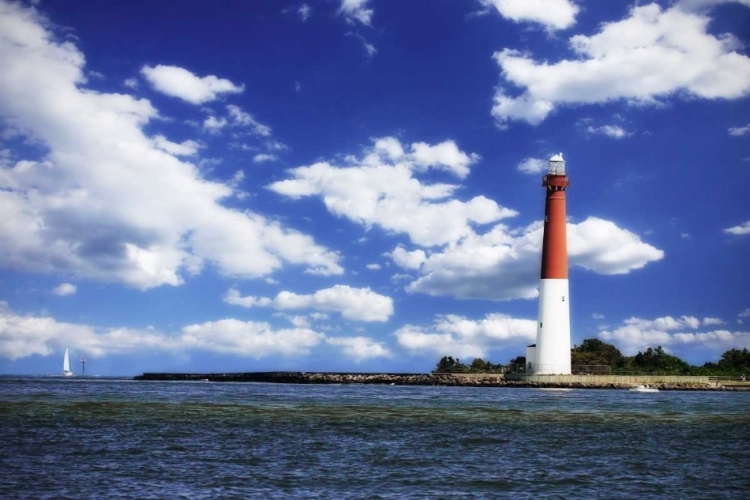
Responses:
[552,354]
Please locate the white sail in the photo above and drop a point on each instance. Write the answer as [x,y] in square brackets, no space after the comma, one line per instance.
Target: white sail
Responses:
[66,364]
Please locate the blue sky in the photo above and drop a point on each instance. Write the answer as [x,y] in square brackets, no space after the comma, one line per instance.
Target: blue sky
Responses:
[354,185]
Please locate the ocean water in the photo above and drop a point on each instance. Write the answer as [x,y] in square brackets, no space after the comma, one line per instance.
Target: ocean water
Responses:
[104,439]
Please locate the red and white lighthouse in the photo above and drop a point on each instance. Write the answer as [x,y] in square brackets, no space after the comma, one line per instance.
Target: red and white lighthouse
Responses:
[552,352]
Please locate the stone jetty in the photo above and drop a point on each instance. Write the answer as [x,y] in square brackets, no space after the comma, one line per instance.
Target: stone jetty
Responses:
[431,379]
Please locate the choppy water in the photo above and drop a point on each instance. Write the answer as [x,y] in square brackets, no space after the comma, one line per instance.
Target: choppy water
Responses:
[100,439]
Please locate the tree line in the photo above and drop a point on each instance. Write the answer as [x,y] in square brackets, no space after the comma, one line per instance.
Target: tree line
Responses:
[594,352]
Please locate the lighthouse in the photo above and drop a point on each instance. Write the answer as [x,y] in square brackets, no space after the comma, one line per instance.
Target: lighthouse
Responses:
[551,355]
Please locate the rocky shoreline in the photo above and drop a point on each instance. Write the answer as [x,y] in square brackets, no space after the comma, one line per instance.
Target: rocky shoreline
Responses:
[441,379]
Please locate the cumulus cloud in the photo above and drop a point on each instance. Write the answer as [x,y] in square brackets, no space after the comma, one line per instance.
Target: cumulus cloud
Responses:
[703,5]
[185,148]
[64,289]
[502,264]
[304,11]
[213,125]
[739,131]
[600,246]
[359,304]
[131,83]
[244,119]
[264,157]
[459,336]
[443,156]
[652,54]
[406,259]
[370,49]
[23,336]
[612,131]
[712,321]
[234,298]
[248,338]
[179,82]
[146,219]
[532,166]
[359,348]
[739,230]
[382,189]
[553,14]
[237,118]
[637,334]
[356,11]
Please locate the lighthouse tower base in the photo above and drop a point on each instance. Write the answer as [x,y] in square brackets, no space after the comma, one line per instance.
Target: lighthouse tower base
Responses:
[552,353]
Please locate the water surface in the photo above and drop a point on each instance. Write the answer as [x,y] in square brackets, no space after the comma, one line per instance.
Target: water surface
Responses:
[104,438]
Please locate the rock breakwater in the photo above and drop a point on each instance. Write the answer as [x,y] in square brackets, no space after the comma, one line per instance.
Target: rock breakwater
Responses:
[435,379]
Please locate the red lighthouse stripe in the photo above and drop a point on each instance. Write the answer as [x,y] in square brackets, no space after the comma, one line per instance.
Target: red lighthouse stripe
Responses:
[555,245]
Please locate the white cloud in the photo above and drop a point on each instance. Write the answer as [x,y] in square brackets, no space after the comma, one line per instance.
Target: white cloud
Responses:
[248,338]
[356,11]
[554,14]
[264,157]
[236,117]
[739,131]
[381,189]
[502,265]
[739,230]
[359,304]
[636,334]
[179,82]
[744,314]
[712,321]
[406,259]
[452,335]
[369,48]
[244,119]
[64,289]
[373,267]
[360,348]
[597,316]
[131,83]
[304,11]
[532,166]
[145,219]
[234,298]
[665,323]
[185,148]
[22,336]
[613,131]
[652,54]
[443,156]
[276,146]
[214,125]
[703,5]
[600,246]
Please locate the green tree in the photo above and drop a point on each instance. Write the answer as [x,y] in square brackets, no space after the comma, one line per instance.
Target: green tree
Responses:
[596,352]
[518,363]
[448,365]
[657,360]
[479,365]
[735,361]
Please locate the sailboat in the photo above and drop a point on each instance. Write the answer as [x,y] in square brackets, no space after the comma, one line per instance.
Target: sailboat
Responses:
[66,365]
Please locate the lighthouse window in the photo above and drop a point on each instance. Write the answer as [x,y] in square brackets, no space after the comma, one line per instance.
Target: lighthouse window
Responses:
[563,298]
[540,324]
